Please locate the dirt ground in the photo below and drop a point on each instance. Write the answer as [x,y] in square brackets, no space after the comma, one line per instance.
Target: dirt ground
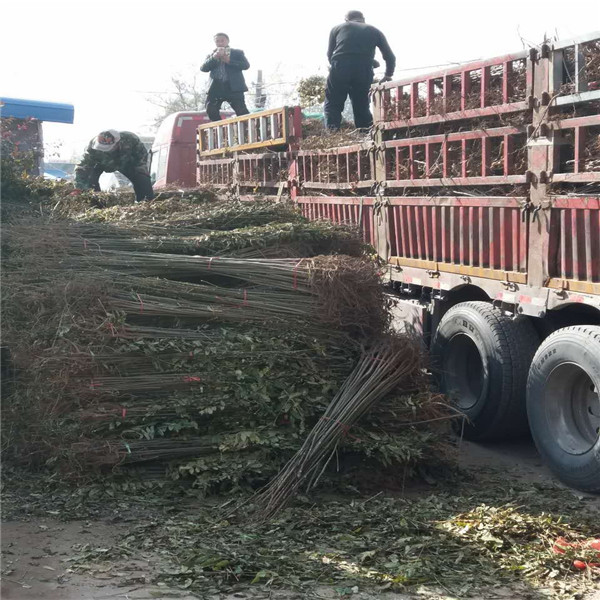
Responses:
[36,553]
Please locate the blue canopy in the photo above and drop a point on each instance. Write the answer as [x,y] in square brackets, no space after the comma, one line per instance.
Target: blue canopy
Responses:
[50,173]
[34,109]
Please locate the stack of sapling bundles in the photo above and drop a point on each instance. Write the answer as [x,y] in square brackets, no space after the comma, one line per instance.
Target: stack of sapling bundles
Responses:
[214,391]
[214,367]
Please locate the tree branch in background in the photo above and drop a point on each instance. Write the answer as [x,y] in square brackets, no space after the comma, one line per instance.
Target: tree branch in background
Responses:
[186,94]
[311,91]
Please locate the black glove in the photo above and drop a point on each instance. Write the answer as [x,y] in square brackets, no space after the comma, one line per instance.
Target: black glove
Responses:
[384,79]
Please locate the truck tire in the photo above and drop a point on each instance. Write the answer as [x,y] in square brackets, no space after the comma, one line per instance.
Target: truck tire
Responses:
[563,405]
[482,359]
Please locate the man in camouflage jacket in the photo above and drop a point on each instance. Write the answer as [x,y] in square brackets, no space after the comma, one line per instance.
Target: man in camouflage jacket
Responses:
[111,151]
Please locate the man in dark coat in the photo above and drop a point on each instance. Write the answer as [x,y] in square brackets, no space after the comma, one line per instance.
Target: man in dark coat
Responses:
[351,55]
[112,151]
[227,84]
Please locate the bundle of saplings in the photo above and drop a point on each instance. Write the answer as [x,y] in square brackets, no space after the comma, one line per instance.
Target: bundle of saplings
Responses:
[276,240]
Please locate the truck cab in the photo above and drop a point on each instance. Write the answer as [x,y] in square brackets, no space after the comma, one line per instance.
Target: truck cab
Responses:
[173,154]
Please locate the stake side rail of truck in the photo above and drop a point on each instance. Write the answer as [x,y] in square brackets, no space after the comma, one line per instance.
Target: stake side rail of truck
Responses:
[480,188]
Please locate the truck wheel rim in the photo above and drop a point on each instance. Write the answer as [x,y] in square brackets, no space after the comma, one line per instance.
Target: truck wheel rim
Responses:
[464,373]
[573,408]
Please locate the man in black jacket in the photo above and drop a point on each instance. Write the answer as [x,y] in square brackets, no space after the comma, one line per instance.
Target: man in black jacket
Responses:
[351,52]
[227,80]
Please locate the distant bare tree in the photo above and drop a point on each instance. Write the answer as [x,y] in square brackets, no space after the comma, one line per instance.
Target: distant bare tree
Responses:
[187,94]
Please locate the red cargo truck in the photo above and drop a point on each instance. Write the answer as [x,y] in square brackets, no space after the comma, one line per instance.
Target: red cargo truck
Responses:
[480,188]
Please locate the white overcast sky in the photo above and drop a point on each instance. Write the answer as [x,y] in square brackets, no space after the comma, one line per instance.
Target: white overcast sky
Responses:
[107,56]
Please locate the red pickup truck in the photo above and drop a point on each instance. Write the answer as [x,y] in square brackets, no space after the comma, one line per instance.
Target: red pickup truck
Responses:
[173,154]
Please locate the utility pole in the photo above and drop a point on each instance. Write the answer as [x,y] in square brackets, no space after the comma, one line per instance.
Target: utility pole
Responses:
[260,98]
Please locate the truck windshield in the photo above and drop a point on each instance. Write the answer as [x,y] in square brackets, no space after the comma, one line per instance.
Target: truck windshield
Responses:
[158,163]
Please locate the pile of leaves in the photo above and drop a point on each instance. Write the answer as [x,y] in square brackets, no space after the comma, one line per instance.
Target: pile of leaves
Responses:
[210,369]
[476,537]
[456,545]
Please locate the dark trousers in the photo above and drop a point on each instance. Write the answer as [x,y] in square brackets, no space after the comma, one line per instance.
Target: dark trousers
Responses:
[220,91]
[142,185]
[348,77]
